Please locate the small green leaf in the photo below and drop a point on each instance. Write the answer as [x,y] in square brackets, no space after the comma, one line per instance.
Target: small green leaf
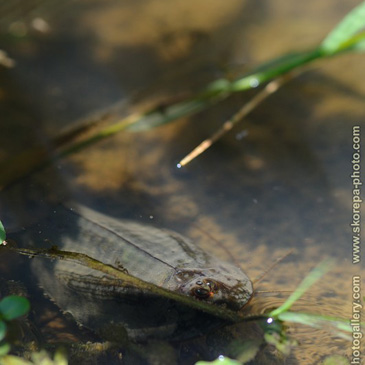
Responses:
[13,306]
[2,330]
[352,23]
[4,349]
[2,233]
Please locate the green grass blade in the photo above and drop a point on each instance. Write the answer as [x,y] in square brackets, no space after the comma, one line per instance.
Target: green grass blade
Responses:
[274,68]
[309,319]
[333,324]
[2,233]
[355,43]
[352,23]
[220,89]
[308,281]
[159,117]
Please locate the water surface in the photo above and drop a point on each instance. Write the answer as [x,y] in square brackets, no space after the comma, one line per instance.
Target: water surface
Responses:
[279,181]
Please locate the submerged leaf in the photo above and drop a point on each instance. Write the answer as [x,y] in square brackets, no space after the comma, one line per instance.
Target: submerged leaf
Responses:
[4,349]
[13,306]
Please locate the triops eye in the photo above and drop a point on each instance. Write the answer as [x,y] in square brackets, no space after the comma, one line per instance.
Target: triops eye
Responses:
[201,293]
[212,285]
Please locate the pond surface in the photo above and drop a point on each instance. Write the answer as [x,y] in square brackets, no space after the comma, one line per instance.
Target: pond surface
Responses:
[278,182]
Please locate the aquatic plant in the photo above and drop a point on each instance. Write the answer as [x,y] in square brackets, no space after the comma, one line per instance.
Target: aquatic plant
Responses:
[11,308]
[347,36]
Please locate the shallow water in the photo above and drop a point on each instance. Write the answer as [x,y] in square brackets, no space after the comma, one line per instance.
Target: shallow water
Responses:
[279,181]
